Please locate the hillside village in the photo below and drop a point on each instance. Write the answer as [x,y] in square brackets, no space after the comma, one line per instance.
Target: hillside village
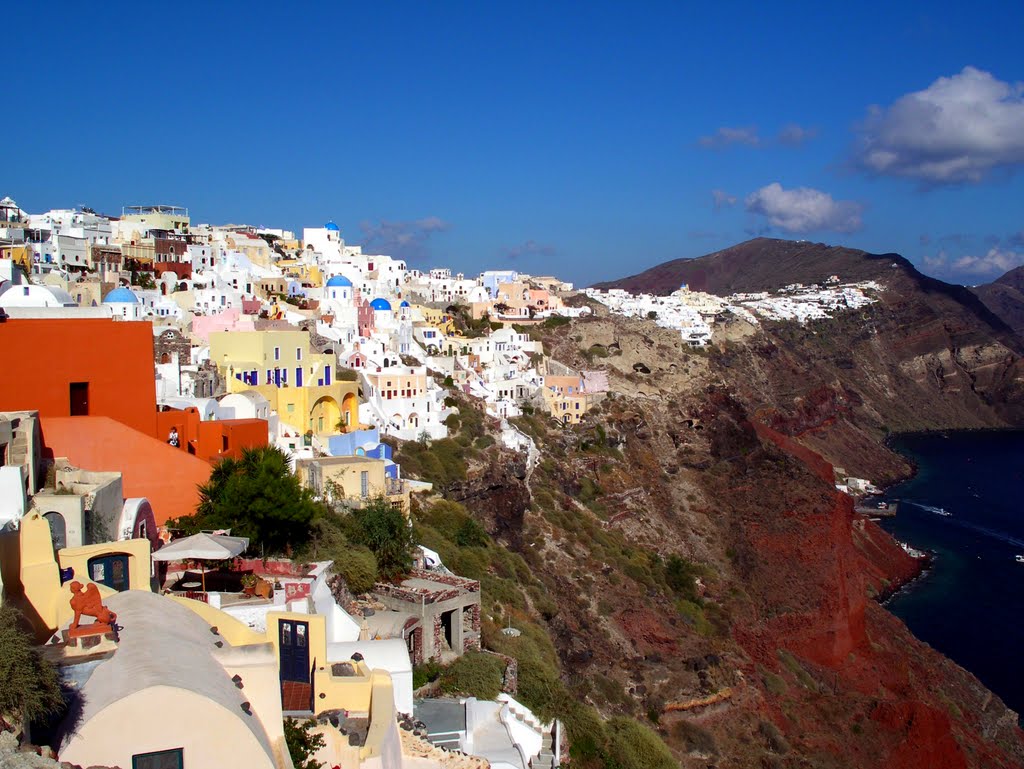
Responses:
[142,352]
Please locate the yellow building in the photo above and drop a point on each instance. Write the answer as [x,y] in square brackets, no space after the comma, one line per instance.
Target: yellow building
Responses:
[247,359]
[332,408]
[217,689]
[437,318]
[90,293]
[255,248]
[302,272]
[32,572]
[20,253]
[354,480]
[298,383]
[564,400]
[157,217]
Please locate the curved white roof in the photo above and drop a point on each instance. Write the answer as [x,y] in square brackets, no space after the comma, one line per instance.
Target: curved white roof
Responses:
[30,295]
[162,644]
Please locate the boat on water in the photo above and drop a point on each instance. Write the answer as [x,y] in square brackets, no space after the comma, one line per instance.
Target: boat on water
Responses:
[876,509]
[943,511]
[1019,559]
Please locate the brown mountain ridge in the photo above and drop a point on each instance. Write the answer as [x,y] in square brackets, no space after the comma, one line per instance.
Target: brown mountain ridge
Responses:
[766,264]
[1005,298]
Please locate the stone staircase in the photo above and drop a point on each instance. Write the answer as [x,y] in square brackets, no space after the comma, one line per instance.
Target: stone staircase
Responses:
[546,758]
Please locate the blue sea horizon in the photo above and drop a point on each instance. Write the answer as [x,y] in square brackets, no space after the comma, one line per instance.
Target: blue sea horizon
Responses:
[966,505]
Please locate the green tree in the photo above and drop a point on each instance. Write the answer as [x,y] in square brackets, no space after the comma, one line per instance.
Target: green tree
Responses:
[386,531]
[29,687]
[258,497]
[301,744]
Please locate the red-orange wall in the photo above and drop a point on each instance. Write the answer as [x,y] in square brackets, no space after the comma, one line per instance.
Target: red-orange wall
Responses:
[150,468]
[39,359]
[206,439]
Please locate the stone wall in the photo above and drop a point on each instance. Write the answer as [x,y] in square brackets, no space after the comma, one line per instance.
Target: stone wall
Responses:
[177,348]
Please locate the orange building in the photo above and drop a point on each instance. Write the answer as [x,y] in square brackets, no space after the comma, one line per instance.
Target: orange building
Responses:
[149,468]
[93,384]
[212,441]
[79,367]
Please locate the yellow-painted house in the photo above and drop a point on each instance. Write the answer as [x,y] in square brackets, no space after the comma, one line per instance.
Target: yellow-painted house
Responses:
[20,253]
[440,319]
[299,384]
[181,682]
[32,571]
[355,480]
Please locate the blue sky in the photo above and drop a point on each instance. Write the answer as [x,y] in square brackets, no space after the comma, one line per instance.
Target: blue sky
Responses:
[584,139]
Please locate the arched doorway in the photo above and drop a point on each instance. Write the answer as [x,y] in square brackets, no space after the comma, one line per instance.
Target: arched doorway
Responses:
[58,529]
[325,415]
[350,411]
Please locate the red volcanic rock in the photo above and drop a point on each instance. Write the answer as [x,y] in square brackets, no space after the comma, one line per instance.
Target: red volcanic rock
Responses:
[925,736]
[815,463]
[649,634]
[885,564]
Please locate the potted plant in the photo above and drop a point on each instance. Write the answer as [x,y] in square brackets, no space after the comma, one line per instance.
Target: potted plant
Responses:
[249,582]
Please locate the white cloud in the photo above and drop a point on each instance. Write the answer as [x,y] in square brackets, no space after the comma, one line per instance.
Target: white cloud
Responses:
[794,135]
[404,240]
[995,262]
[528,248]
[722,199]
[725,137]
[937,263]
[959,129]
[804,209]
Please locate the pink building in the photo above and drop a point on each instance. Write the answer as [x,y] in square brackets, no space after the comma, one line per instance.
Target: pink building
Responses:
[231,319]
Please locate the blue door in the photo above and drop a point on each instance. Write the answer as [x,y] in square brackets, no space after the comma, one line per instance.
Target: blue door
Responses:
[110,570]
[294,650]
[298,376]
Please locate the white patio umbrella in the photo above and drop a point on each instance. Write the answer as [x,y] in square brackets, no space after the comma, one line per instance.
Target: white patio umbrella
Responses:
[202,547]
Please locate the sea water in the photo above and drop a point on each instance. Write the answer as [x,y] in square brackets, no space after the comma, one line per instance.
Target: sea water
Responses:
[966,505]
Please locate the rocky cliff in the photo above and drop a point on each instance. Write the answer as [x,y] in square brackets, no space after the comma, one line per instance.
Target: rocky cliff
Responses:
[699,569]
[1004,297]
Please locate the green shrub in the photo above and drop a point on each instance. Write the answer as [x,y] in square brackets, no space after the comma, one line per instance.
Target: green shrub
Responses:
[470,562]
[358,567]
[585,730]
[425,673]
[611,691]
[347,375]
[794,667]
[474,674]
[385,531]
[773,737]
[471,534]
[301,744]
[442,462]
[774,684]
[693,615]
[631,745]
[681,576]
[555,321]
[29,686]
